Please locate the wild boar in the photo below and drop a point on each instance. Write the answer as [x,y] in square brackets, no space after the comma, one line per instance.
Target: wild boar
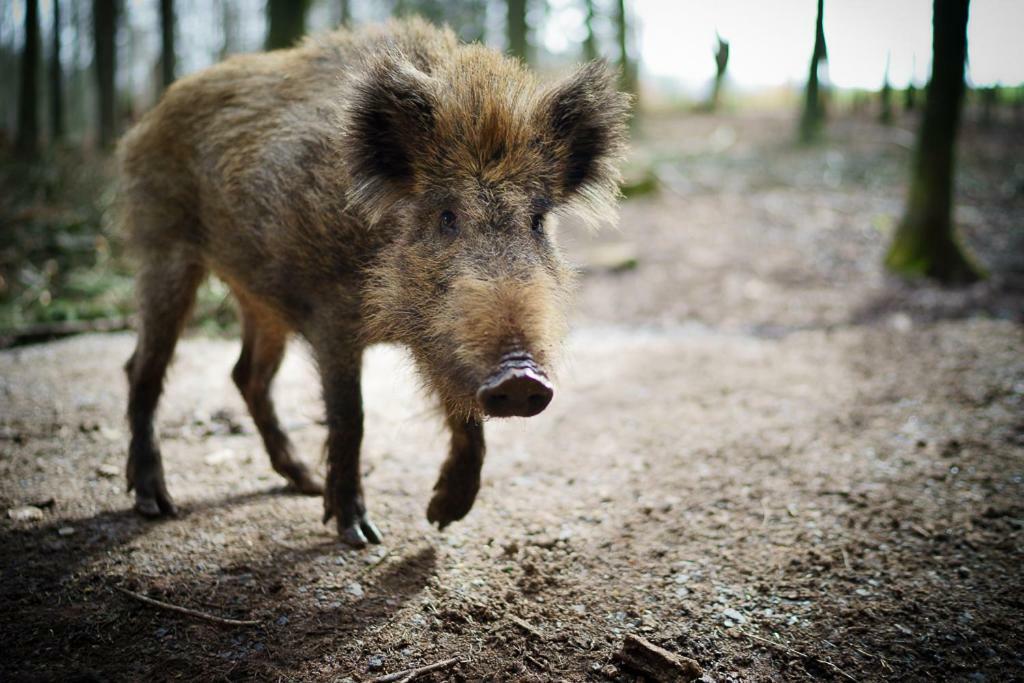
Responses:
[381,185]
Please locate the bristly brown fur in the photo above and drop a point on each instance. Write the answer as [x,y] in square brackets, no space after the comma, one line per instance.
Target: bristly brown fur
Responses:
[312,181]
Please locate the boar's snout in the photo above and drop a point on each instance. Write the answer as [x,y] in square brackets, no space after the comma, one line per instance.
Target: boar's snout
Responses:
[519,388]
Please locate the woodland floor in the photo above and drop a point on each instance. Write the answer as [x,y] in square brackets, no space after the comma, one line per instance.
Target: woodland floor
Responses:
[764,454]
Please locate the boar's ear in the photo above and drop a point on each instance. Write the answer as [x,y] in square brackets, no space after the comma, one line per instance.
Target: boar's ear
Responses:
[391,110]
[583,120]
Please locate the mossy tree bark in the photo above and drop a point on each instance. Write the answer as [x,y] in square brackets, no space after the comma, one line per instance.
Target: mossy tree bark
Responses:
[590,40]
[286,22]
[627,66]
[27,142]
[104,22]
[925,243]
[167,58]
[813,116]
[518,41]
[56,79]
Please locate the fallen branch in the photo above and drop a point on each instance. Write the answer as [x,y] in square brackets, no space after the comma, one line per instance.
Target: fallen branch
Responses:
[410,674]
[796,653]
[526,626]
[33,334]
[656,662]
[185,610]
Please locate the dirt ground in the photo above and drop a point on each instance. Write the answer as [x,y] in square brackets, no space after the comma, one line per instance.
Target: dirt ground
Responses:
[763,454]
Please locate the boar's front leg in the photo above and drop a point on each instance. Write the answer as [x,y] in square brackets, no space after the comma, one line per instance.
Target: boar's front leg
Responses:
[459,482]
[343,496]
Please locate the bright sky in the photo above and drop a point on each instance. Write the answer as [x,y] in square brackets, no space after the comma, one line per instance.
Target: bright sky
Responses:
[771,41]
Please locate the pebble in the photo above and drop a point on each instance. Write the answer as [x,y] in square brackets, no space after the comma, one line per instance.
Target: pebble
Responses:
[25,513]
[108,470]
[375,663]
[355,589]
[65,531]
[733,615]
[282,620]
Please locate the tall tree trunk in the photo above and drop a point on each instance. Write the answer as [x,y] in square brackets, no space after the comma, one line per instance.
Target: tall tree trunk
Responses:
[885,115]
[27,142]
[721,64]
[589,41]
[229,27]
[925,244]
[814,108]
[167,59]
[104,28]
[518,43]
[344,13]
[56,79]
[627,66]
[286,21]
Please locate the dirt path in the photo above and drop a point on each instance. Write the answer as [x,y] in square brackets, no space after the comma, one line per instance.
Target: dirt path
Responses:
[829,496]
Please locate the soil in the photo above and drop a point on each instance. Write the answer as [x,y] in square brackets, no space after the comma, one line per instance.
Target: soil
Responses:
[764,454]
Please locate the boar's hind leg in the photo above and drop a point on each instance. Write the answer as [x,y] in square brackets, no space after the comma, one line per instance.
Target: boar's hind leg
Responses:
[263,344]
[459,482]
[343,497]
[166,290]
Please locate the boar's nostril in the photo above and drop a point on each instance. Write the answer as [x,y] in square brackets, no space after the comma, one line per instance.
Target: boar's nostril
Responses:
[515,392]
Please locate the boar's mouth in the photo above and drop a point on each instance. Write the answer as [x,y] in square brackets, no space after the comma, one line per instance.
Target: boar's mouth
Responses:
[518,388]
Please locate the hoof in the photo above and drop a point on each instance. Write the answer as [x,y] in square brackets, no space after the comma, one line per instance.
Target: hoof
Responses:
[359,533]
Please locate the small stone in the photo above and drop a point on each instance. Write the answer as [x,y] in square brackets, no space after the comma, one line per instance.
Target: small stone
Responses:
[282,620]
[66,531]
[355,589]
[733,615]
[25,513]
[108,470]
[221,457]
[375,663]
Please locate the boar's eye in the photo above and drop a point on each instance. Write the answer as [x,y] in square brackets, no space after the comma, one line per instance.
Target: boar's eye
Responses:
[537,223]
[448,224]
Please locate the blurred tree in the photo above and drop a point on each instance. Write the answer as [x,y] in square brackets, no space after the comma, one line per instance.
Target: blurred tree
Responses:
[56,79]
[989,102]
[286,22]
[925,243]
[344,13]
[627,66]
[721,63]
[885,115]
[229,27]
[104,34]
[910,97]
[589,40]
[167,60]
[814,106]
[518,39]
[27,142]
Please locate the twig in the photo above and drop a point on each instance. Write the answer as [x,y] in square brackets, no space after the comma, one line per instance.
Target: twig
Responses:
[526,626]
[796,653]
[376,563]
[186,610]
[407,675]
[657,663]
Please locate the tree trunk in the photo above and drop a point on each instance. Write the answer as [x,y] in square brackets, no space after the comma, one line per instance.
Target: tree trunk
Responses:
[229,27]
[345,13]
[167,59]
[104,20]
[814,109]
[286,22]
[590,41]
[925,244]
[627,67]
[885,115]
[27,142]
[721,64]
[518,43]
[56,79]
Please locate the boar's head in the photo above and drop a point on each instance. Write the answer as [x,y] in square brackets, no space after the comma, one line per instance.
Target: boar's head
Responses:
[467,167]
